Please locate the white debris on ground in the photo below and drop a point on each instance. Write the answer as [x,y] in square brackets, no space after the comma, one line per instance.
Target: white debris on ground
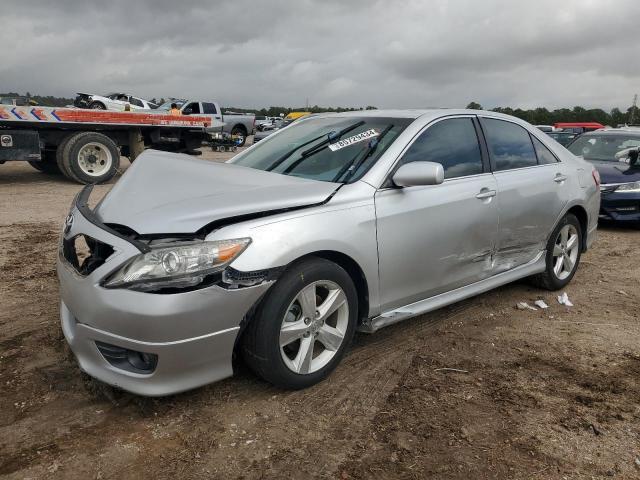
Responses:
[541,304]
[564,300]
[525,306]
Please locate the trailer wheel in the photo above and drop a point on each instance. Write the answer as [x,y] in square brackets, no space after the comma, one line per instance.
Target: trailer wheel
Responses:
[240,135]
[48,163]
[97,106]
[60,159]
[90,157]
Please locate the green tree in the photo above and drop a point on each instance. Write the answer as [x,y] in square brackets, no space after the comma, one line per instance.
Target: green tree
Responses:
[474,106]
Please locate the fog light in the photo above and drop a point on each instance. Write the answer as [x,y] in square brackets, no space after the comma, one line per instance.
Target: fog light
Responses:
[129,360]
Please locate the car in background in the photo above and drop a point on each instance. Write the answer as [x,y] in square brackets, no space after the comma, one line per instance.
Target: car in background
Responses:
[113,101]
[545,128]
[265,123]
[18,101]
[339,222]
[578,127]
[614,152]
[278,124]
[238,125]
[563,137]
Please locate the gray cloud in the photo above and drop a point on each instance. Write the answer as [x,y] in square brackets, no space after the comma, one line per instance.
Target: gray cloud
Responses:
[386,53]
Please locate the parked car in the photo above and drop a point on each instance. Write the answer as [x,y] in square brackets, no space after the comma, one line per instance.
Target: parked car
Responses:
[578,127]
[340,222]
[112,101]
[238,125]
[614,153]
[277,125]
[545,128]
[563,137]
[263,122]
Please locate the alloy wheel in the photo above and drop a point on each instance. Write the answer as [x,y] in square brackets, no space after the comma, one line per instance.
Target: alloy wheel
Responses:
[565,251]
[314,327]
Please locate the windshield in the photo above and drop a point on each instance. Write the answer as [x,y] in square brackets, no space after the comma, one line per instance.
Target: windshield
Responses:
[167,105]
[602,147]
[304,150]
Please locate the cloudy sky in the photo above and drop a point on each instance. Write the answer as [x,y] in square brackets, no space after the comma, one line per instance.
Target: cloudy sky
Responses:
[440,53]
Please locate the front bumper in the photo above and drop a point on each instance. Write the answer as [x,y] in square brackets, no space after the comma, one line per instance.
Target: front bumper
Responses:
[620,207]
[192,333]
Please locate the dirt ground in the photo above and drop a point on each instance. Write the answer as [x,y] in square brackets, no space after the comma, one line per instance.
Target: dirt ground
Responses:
[549,394]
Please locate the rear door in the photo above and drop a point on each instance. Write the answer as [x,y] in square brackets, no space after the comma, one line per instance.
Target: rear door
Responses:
[532,191]
[436,238]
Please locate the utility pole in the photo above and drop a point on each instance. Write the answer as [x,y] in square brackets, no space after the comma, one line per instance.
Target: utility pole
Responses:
[633,109]
[307,104]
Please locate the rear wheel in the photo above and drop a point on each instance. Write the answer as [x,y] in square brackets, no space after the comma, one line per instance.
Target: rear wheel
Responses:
[304,325]
[90,157]
[563,254]
[97,106]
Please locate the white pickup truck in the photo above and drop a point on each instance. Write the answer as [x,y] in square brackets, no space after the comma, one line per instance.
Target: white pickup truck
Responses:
[238,125]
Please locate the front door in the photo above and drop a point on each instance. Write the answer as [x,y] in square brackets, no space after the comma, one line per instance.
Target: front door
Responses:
[433,239]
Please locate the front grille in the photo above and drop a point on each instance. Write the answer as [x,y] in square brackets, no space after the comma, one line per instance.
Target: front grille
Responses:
[85,253]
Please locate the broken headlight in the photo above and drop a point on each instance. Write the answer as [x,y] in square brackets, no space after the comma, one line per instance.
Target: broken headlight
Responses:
[182,265]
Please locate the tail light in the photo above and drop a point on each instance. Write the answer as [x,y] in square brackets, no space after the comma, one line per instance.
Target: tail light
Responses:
[596,177]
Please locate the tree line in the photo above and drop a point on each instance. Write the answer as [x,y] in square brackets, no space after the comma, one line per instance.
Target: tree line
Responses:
[543,116]
[536,116]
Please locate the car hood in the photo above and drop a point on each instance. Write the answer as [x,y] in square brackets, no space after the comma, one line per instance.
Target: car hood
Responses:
[616,172]
[174,193]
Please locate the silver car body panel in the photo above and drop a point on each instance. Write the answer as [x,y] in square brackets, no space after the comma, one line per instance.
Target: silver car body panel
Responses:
[193,193]
[418,248]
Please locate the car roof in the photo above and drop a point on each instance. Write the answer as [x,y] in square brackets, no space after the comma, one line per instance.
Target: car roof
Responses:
[627,131]
[416,113]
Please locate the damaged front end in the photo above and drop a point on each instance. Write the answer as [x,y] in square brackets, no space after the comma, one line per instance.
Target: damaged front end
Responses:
[164,263]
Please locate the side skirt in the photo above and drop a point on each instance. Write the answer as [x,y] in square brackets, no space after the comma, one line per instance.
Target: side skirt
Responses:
[537,265]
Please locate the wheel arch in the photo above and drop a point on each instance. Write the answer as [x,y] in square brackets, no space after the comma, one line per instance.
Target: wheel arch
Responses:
[241,127]
[583,218]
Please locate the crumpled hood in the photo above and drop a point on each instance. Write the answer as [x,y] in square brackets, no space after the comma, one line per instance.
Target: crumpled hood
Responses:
[174,193]
[616,172]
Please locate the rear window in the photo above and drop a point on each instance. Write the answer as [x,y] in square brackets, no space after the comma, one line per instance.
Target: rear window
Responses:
[209,108]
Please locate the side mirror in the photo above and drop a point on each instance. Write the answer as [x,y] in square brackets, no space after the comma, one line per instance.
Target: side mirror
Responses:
[418,173]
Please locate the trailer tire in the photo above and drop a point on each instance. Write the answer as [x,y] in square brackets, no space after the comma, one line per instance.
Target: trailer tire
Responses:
[59,157]
[90,157]
[47,164]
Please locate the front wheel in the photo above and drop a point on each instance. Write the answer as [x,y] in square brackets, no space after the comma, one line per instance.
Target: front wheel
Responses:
[304,325]
[563,254]
[97,106]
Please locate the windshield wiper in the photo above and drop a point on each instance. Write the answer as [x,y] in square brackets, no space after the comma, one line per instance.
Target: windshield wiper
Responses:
[351,167]
[331,137]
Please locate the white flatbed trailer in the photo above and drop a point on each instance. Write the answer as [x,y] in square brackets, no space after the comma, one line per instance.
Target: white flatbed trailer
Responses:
[86,145]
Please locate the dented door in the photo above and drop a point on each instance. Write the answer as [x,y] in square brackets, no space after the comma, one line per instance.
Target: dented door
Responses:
[432,239]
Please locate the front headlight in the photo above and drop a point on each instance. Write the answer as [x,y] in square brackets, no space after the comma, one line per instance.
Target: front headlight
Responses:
[177,266]
[629,187]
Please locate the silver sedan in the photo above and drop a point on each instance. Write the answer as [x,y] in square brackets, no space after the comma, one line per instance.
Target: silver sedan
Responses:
[337,223]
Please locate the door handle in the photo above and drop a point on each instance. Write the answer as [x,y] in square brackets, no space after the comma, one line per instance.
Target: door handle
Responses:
[560,178]
[484,193]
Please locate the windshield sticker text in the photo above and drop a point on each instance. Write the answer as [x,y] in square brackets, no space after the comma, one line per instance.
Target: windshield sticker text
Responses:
[361,137]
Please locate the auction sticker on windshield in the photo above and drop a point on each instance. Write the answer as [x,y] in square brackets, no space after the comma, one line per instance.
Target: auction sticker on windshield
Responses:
[361,137]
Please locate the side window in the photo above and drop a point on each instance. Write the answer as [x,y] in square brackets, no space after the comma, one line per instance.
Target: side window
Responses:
[453,143]
[209,108]
[545,156]
[192,108]
[509,144]
[136,102]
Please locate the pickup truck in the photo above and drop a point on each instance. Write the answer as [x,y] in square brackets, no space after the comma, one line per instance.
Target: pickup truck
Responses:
[238,125]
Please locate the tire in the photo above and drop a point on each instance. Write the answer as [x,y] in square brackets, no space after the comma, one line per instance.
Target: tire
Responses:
[89,157]
[47,164]
[240,132]
[59,157]
[282,318]
[97,106]
[556,275]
